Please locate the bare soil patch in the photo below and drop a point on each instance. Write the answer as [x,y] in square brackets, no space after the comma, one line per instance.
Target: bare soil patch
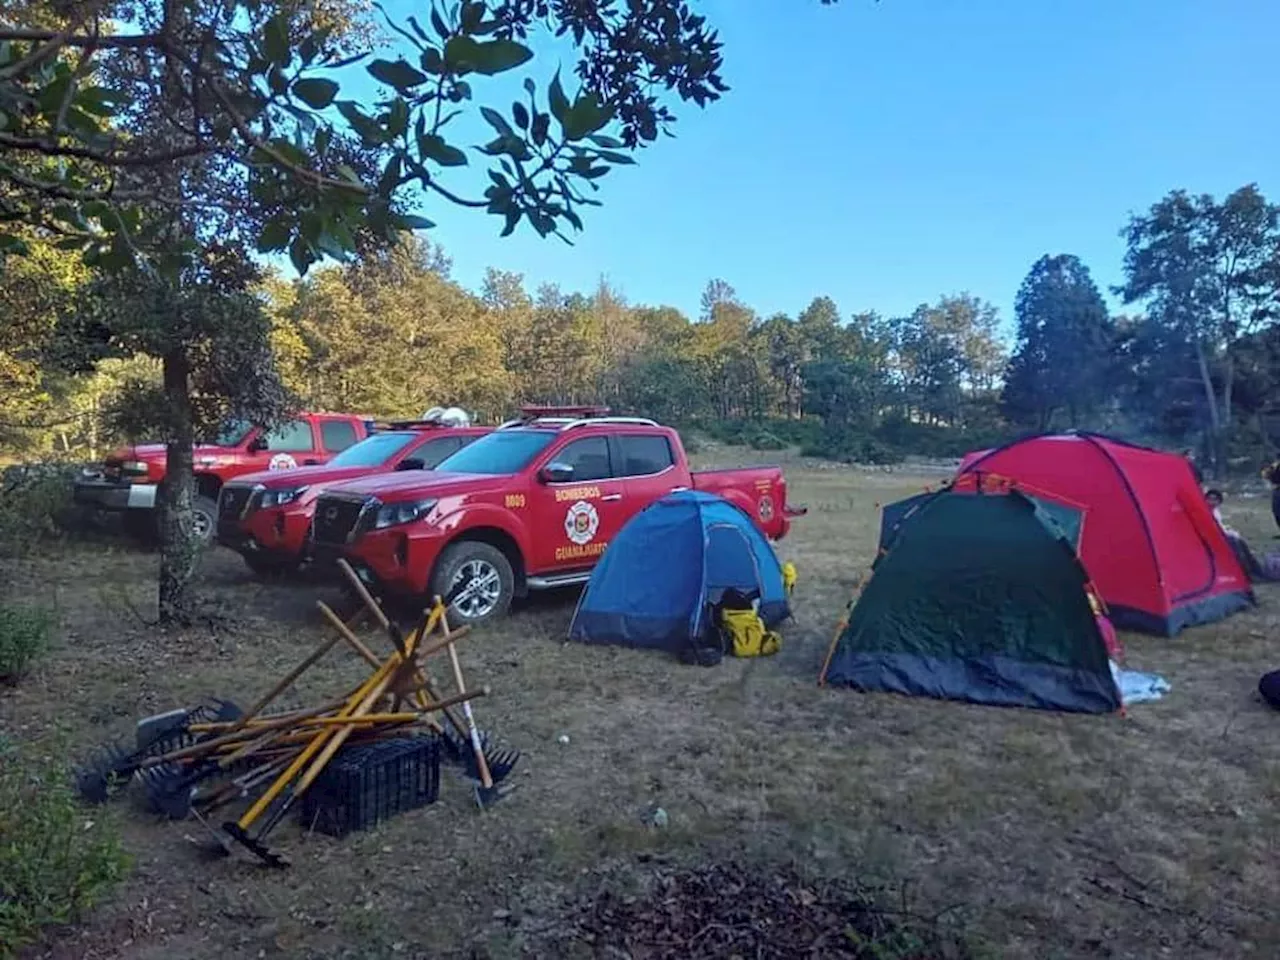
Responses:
[1035,835]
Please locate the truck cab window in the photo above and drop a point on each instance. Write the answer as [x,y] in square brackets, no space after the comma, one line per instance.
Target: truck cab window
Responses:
[589,458]
[645,456]
[337,434]
[292,437]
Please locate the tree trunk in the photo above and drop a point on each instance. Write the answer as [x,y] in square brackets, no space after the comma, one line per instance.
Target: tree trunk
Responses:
[1228,422]
[1215,420]
[179,549]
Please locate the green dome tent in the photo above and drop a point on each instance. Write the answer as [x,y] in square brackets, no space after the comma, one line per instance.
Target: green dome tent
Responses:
[981,597]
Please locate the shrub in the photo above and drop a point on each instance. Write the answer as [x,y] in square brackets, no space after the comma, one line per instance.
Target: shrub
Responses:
[764,440]
[56,862]
[24,635]
[35,506]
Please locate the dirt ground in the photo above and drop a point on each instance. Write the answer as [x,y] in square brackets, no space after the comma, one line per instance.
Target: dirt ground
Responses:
[1037,835]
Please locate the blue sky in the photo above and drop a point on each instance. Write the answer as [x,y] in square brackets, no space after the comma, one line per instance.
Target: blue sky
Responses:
[885,154]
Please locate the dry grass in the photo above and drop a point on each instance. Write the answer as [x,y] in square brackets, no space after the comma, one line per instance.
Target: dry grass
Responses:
[1044,835]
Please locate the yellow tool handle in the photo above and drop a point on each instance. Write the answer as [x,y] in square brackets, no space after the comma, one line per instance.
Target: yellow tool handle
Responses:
[356,644]
[339,737]
[285,682]
[207,746]
[377,679]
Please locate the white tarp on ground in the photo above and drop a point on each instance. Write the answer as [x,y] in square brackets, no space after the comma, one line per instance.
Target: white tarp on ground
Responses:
[1138,687]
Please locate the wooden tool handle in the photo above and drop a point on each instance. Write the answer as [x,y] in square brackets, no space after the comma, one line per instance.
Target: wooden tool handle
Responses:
[482,765]
[207,746]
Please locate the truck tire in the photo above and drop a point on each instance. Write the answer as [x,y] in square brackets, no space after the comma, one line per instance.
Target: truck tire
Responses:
[270,568]
[486,571]
[204,519]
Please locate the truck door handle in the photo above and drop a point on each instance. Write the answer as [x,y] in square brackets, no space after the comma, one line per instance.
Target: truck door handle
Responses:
[678,489]
[611,497]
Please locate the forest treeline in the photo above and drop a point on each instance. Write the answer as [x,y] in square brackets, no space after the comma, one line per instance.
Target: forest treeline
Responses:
[1194,362]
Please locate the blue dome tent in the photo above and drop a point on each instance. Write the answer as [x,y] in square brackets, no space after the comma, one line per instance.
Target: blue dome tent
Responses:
[664,570]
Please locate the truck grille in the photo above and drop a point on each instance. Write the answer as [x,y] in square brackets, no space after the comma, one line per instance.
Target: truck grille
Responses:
[232,501]
[336,520]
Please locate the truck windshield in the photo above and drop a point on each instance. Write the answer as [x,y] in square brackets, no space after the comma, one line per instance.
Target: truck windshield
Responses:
[507,451]
[232,432]
[372,451]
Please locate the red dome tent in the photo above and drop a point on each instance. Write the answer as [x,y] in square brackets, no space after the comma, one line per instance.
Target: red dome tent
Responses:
[1149,542]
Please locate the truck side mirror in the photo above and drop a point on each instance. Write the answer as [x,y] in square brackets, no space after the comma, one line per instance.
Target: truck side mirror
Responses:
[411,463]
[556,472]
[258,443]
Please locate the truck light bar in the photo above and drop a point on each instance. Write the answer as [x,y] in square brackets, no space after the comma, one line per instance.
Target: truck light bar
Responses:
[536,411]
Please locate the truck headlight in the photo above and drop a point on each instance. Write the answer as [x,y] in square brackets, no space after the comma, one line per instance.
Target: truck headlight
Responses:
[393,514]
[135,468]
[278,498]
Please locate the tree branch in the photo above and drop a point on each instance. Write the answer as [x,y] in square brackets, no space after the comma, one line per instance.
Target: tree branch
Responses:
[125,41]
[106,158]
[454,198]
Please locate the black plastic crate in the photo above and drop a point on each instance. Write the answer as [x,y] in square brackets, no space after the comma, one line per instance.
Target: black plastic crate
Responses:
[368,783]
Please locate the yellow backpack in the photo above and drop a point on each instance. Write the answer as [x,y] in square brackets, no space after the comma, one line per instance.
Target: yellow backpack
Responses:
[749,635]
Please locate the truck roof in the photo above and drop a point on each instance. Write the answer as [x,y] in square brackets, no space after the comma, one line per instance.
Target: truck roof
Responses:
[570,417]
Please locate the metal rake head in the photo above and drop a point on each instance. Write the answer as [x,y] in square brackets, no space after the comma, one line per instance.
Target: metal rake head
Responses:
[499,761]
[169,788]
[158,734]
[111,766]
[254,845]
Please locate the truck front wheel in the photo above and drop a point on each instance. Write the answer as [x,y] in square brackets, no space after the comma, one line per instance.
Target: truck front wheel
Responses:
[479,578]
[204,518]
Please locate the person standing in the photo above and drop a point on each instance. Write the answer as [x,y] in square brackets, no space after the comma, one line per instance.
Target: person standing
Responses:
[1271,473]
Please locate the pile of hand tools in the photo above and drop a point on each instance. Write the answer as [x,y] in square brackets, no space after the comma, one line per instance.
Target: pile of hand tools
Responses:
[360,757]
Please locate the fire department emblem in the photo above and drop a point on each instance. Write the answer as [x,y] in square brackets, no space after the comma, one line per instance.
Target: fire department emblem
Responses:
[766,508]
[282,461]
[581,522]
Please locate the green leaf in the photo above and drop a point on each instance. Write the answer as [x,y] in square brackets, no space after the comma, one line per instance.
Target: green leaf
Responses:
[541,121]
[408,221]
[610,143]
[472,13]
[585,117]
[398,73]
[99,101]
[460,54]
[431,61]
[497,121]
[433,147]
[275,40]
[390,178]
[301,255]
[11,244]
[499,56]
[365,127]
[463,54]
[520,115]
[556,99]
[614,157]
[315,92]
[397,117]
[439,23]
[275,235]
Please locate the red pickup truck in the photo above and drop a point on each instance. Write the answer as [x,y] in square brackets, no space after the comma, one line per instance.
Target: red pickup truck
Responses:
[531,506]
[129,479]
[266,517]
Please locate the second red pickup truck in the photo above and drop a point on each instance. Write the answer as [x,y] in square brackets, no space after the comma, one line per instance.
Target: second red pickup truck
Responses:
[266,517]
[531,506]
